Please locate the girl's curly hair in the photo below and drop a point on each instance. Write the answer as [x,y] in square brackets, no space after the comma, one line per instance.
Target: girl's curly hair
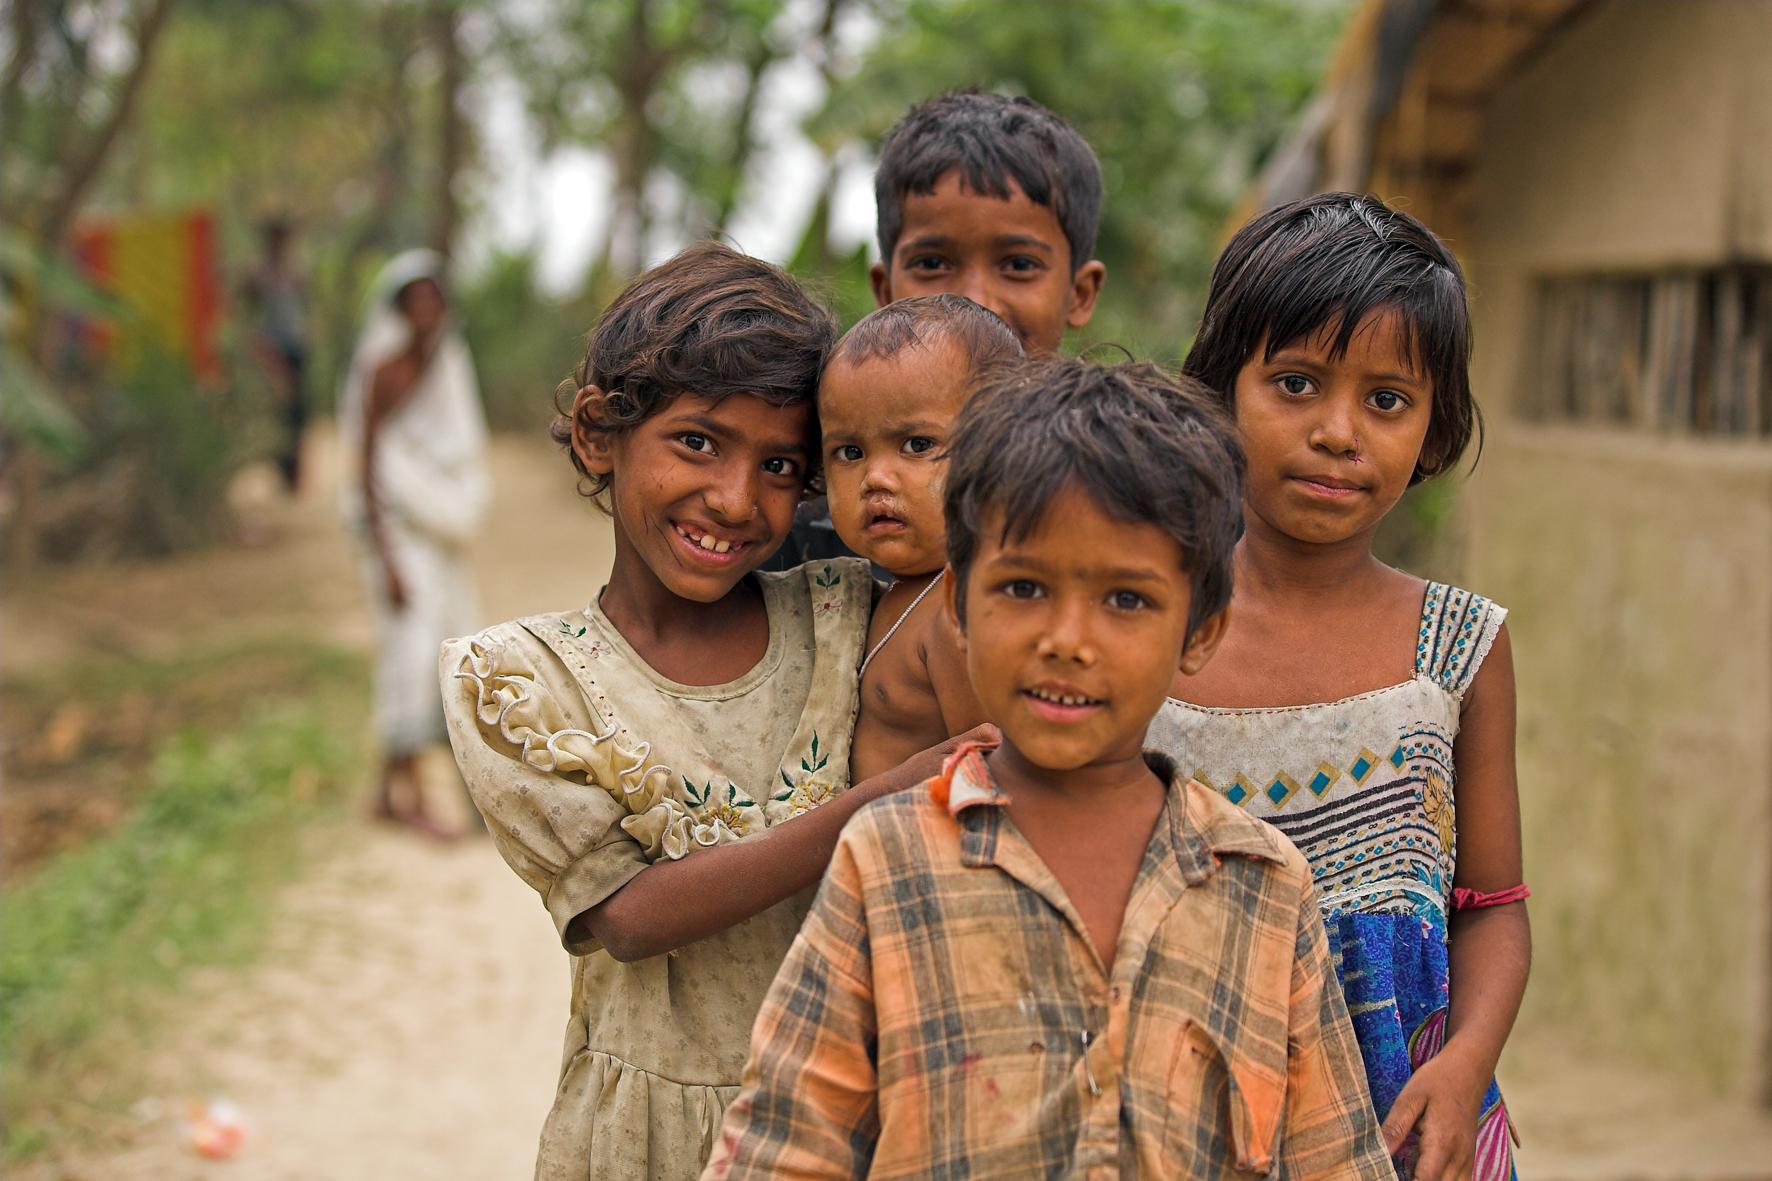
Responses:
[710,322]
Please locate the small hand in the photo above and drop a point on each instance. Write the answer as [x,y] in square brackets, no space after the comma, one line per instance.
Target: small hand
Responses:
[926,764]
[1435,1117]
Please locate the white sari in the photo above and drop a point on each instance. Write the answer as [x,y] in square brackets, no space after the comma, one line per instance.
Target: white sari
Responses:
[432,489]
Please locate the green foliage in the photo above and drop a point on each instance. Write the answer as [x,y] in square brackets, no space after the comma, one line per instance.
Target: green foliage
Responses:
[525,342]
[33,411]
[1181,101]
[101,934]
[154,479]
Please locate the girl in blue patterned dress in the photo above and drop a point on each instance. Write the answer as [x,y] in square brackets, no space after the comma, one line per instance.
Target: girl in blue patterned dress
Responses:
[1367,714]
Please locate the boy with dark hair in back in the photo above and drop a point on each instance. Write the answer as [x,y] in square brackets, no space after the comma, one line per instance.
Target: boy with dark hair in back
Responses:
[996,199]
[990,197]
[1062,958]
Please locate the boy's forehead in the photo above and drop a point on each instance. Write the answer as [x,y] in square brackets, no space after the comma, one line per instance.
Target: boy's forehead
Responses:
[953,209]
[1076,533]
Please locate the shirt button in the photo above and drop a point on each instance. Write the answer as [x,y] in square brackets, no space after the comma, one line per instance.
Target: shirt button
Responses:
[1115,993]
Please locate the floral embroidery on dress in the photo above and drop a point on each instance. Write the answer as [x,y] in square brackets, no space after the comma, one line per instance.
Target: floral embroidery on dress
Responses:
[831,597]
[815,785]
[595,649]
[1436,803]
[714,811]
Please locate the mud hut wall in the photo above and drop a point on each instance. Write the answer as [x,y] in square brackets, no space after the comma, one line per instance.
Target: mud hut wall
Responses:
[1637,561]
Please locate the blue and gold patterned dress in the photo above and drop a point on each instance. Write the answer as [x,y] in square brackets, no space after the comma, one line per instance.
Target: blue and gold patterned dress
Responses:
[1363,786]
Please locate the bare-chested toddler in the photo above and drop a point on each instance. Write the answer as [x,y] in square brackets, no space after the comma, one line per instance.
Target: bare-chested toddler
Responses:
[886,403]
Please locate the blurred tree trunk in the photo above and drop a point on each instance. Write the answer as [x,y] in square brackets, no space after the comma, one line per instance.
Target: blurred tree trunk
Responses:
[54,216]
[744,135]
[634,147]
[25,30]
[59,212]
[452,128]
[815,247]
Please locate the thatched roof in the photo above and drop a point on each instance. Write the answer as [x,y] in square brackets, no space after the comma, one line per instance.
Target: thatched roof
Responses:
[1400,111]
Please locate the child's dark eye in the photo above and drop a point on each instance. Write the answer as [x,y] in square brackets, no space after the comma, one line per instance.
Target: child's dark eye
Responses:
[1022,588]
[1295,384]
[927,263]
[1389,400]
[781,466]
[1022,264]
[696,442]
[919,445]
[846,452]
[1125,600]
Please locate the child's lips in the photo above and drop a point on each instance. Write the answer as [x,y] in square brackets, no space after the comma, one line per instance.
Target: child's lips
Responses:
[1061,704]
[1328,487]
[883,524]
[707,547]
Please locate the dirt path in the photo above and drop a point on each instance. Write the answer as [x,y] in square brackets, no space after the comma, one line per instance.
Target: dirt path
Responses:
[405,1019]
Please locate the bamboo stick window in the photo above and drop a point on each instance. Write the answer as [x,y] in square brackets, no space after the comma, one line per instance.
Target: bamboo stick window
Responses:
[1686,351]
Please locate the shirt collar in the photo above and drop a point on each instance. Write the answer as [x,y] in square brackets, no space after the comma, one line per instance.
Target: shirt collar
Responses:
[1203,827]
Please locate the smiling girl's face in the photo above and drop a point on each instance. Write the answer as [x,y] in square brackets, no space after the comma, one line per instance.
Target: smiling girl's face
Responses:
[1332,441]
[702,491]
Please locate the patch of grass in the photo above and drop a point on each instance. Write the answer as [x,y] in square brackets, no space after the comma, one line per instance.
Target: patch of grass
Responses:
[101,935]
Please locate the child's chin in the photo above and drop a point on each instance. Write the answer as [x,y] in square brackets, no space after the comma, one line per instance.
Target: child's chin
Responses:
[898,560]
[710,586]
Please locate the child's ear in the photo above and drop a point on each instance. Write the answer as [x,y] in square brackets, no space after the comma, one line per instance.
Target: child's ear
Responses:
[590,444]
[950,599]
[1085,290]
[1204,642]
[882,284]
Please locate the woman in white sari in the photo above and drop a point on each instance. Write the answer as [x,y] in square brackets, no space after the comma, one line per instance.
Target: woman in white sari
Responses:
[414,444]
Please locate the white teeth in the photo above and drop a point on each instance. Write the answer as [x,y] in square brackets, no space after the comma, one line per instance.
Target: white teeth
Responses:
[1060,699]
[706,541]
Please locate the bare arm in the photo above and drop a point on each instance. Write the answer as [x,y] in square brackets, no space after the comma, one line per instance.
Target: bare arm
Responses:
[390,387]
[1490,947]
[944,655]
[674,903]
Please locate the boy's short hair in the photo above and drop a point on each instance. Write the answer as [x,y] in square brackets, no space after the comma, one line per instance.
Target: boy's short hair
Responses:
[708,321]
[990,139]
[1145,445]
[923,320]
[1335,259]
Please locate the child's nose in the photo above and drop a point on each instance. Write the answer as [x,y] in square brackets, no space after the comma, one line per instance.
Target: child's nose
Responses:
[1335,431]
[733,499]
[879,476]
[1068,635]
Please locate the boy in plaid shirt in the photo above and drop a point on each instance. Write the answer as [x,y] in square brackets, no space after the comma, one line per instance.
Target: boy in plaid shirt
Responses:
[1062,958]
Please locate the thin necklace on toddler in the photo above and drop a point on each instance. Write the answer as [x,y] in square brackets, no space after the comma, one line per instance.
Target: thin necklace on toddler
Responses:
[899,622]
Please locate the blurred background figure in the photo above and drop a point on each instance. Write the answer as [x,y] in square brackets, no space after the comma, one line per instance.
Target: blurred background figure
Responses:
[413,454]
[277,296]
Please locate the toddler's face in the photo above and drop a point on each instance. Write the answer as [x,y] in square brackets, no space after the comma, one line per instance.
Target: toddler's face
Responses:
[1007,254]
[704,490]
[886,423]
[1074,632]
[1332,441]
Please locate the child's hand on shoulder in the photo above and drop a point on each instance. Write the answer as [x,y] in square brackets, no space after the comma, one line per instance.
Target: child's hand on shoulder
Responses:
[1435,1119]
[926,764]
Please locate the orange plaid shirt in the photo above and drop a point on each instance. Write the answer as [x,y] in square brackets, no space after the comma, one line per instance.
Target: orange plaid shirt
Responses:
[943,1013]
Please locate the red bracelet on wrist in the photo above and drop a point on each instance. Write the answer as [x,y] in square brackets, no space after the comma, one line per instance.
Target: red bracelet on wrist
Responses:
[1463,899]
